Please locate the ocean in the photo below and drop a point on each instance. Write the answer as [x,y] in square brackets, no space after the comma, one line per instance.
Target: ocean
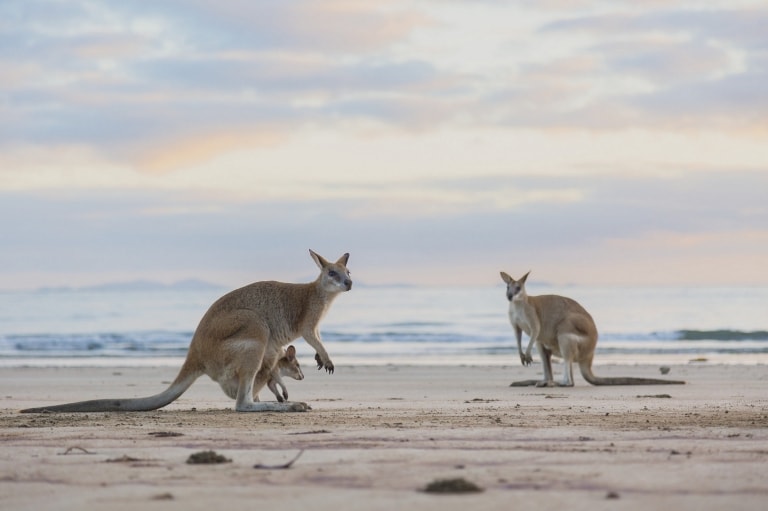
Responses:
[152,326]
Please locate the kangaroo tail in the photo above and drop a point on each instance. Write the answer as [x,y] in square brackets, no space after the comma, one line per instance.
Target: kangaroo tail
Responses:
[586,372]
[140,404]
[633,381]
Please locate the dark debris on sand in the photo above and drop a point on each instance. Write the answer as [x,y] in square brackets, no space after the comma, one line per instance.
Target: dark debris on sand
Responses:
[458,485]
[206,457]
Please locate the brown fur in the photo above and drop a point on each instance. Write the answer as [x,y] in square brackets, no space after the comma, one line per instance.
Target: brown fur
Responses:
[288,365]
[559,326]
[240,339]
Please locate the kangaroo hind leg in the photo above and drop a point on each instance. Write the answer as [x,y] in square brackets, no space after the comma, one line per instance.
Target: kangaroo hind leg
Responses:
[570,348]
[546,361]
[249,365]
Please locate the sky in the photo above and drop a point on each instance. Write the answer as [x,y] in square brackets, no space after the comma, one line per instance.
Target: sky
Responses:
[436,141]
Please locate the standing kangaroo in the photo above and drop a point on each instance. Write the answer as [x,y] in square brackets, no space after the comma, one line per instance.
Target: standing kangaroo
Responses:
[559,326]
[240,339]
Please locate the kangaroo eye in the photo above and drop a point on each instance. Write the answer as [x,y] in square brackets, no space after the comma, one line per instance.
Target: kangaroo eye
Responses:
[332,273]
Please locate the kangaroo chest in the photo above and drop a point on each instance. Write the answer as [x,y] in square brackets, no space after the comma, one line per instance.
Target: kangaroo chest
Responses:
[519,317]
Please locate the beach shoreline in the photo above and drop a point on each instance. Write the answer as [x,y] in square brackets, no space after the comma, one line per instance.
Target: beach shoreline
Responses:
[457,359]
[377,435]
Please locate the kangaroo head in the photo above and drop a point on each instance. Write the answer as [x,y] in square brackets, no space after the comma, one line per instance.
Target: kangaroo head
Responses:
[515,288]
[334,277]
[289,364]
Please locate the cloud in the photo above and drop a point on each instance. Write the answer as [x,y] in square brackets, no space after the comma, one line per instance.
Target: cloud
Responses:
[736,102]
[672,68]
[562,226]
[741,27]
[283,75]
[334,26]
[141,82]
[129,78]
[665,62]
[190,149]
[433,140]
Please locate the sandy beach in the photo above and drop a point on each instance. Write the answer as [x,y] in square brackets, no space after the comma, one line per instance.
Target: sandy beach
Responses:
[377,436]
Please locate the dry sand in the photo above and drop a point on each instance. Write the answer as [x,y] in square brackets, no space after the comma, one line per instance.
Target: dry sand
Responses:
[376,436]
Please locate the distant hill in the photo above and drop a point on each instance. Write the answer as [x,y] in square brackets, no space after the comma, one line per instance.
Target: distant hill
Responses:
[142,285]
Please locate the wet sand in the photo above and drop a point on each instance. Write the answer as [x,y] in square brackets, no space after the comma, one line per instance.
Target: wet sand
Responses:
[377,436]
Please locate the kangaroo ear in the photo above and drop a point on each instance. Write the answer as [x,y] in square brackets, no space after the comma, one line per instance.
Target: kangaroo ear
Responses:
[322,263]
[505,277]
[290,351]
[343,260]
[524,277]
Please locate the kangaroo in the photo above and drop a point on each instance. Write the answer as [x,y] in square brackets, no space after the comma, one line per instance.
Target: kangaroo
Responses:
[287,365]
[239,340]
[559,326]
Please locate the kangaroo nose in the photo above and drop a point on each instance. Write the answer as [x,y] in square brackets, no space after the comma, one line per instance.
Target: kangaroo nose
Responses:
[348,283]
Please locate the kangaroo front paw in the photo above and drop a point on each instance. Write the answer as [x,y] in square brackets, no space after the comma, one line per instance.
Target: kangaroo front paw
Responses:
[320,364]
[526,359]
